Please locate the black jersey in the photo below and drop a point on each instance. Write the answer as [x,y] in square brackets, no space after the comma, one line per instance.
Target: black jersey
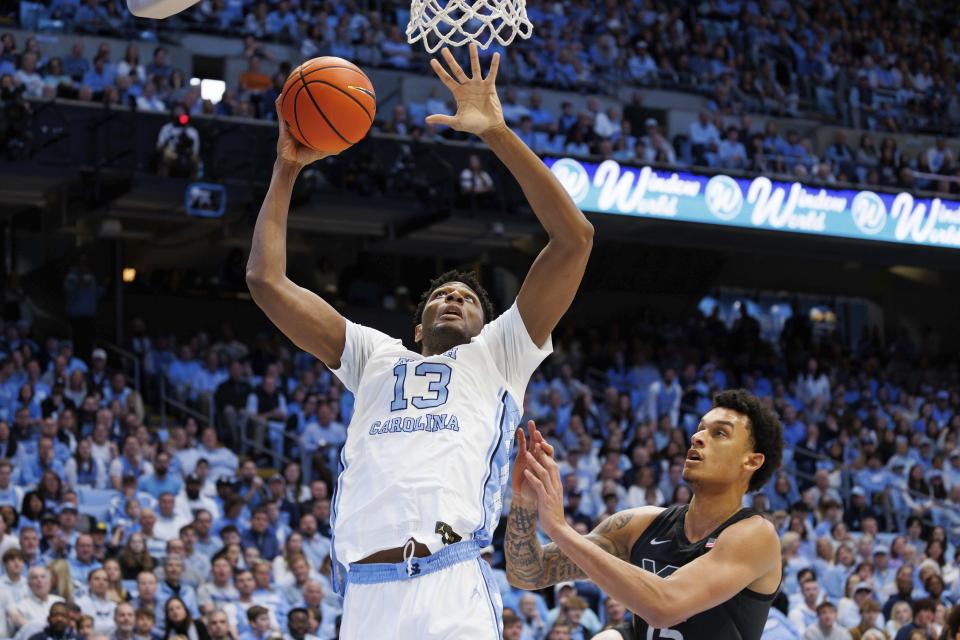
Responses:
[662,549]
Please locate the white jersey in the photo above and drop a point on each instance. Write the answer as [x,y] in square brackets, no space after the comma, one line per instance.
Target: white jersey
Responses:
[430,439]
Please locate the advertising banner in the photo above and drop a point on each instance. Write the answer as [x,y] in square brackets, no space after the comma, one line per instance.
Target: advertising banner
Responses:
[759,203]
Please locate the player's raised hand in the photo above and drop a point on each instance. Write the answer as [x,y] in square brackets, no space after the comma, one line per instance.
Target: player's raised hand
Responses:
[543,475]
[291,151]
[478,107]
[522,489]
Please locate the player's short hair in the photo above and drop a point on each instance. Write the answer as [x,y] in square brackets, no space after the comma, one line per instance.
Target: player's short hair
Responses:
[826,604]
[765,431]
[455,275]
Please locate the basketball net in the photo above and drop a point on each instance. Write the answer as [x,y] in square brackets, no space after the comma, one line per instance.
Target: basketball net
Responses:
[455,23]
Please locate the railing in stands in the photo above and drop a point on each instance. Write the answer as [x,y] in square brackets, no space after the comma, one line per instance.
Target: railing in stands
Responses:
[127,357]
[240,438]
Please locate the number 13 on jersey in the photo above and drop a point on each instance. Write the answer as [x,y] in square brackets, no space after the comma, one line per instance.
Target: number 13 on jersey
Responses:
[438,374]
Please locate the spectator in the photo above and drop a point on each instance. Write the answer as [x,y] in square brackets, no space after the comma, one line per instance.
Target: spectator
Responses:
[96,604]
[28,77]
[476,183]
[939,158]
[169,521]
[923,611]
[149,100]
[267,413]
[82,294]
[396,51]
[76,64]
[704,140]
[805,614]
[84,562]
[158,66]
[731,153]
[58,624]
[178,145]
[826,627]
[218,626]
[124,622]
[37,604]
[162,480]
[100,76]
[178,621]
[173,587]
[261,536]
[253,80]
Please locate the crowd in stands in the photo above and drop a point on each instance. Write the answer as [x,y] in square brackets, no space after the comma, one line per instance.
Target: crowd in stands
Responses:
[883,69]
[114,526]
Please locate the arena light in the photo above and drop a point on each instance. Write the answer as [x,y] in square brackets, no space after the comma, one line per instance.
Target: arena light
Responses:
[129,274]
[210,89]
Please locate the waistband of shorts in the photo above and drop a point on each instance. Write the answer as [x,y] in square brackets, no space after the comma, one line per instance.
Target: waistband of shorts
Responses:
[418,567]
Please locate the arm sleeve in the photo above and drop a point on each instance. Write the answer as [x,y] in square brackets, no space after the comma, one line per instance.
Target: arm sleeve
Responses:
[360,343]
[513,351]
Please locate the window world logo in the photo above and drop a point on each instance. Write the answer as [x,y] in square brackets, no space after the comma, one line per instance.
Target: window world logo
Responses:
[869,212]
[573,177]
[723,197]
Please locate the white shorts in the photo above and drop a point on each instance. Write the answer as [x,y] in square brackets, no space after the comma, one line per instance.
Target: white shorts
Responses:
[448,595]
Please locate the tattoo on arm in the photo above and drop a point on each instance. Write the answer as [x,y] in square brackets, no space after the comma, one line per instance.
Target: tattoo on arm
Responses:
[534,566]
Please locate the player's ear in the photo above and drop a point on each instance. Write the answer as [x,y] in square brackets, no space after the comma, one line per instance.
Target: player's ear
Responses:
[754,461]
[418,333]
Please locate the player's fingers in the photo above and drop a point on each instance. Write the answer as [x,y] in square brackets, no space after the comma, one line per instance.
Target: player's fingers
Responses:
[521,442]
[547,447]
[534,433]
[445,78]
[534,465]
[475,70]
[494,67]
[441,120]
[455,68]
[535,483]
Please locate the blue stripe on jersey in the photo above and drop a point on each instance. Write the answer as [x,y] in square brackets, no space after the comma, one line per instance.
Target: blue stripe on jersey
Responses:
[496,439]
[338,572]
[508,416]
[496,613]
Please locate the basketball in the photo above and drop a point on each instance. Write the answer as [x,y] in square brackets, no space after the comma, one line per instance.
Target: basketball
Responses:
[328,104]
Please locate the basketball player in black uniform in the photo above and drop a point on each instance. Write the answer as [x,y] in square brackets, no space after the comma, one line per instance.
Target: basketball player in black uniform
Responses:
[709,570]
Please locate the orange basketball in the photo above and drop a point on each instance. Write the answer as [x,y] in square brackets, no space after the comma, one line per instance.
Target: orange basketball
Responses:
[328,104]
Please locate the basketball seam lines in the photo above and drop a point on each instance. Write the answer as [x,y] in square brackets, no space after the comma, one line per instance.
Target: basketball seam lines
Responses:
[319,110]
[346,93]
[296,118]
[355,70]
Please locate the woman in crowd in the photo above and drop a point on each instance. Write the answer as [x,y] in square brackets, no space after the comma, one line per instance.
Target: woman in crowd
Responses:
[61,582]
[283,564]
[134,557]
[83,470]
[32,509]
[177,621]
[116,592]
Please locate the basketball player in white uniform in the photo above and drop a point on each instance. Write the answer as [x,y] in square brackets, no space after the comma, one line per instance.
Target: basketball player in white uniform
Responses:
[428,449]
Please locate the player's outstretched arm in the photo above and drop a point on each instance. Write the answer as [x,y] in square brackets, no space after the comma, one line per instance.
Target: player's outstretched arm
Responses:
[744,553]
[531,565]
[303,316]
[555,275]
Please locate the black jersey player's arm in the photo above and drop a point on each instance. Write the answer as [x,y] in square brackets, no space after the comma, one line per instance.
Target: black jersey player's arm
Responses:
[303,316]
[531,565]
[746,553]
[556,273]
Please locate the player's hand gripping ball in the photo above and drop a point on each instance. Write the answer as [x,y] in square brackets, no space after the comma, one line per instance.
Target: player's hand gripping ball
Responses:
[328,104]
